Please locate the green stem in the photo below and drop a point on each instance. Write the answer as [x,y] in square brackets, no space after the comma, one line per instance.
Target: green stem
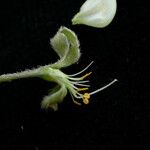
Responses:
[24,74]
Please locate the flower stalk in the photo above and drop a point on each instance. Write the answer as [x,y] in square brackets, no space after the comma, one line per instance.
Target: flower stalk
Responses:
[19,75]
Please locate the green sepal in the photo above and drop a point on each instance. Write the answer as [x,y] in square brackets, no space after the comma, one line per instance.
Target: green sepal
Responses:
[66,45]
[55,96]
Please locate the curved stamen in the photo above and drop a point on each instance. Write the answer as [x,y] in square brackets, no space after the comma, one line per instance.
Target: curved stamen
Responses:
[74,87]
[74,100]
[86,81]
[80,78]
[74,90]
[77,84]
[104,87]
[72,75]
[77,95]
[85,85]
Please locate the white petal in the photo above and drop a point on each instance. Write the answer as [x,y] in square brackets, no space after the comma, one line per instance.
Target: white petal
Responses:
[96,13]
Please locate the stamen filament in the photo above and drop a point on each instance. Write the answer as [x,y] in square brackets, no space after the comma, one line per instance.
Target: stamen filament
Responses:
[77,103]
[72,75]
[75,79]
[73,86]
[85,85]
[104,87]
[86,81]
[75,93]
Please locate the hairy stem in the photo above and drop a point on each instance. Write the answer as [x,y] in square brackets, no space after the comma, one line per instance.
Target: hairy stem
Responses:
[19,75]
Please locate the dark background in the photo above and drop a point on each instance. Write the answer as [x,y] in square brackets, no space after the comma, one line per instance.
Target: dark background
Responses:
[115,118]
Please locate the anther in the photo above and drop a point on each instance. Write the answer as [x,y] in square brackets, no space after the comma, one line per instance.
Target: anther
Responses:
[86,75]
[86,97]
[82,89]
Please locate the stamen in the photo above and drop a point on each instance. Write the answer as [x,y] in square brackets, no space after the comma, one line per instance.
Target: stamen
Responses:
[104,87]
[85,85]
[86,75]
[75,93]
[73,86]
[77,103]
[86,97]
[80,78]
[82,89]
[72,75]
[86,81]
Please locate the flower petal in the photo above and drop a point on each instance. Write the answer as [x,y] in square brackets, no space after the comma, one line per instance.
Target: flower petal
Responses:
[66,45]
[56,96]
[96,13]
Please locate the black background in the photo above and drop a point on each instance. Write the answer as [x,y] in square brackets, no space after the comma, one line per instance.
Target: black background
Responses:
[115,118]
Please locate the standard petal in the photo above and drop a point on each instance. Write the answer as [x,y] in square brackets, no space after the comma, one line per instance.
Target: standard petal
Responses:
[56,96]
[96,13]
[66,45]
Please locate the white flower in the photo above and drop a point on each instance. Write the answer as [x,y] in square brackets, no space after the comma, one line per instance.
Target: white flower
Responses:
[74,84]
[66,45]
[96,13]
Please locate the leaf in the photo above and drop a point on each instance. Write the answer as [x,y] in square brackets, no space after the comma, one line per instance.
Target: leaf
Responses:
[66,45]
[56,96]
[96,13]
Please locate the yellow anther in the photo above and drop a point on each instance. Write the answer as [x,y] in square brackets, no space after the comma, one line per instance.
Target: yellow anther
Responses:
[86,101]
[86,75]
[86,97]
[82,89]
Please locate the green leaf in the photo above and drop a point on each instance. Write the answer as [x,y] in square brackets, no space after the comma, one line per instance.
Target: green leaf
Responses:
[56,96]
[66,45]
